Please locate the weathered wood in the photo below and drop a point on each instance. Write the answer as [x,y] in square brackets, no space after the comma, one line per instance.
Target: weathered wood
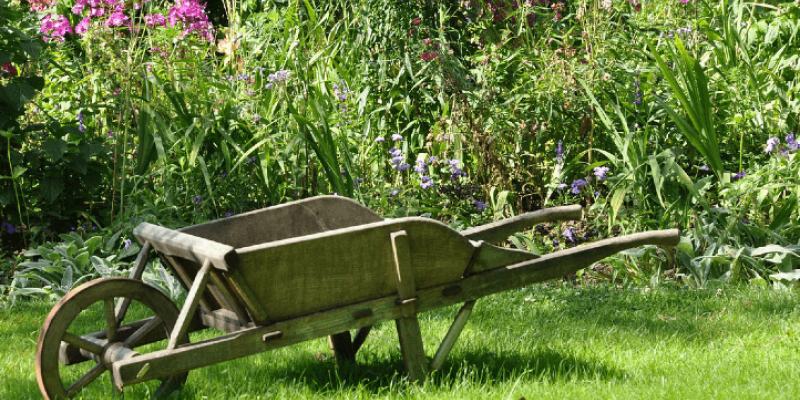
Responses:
[491,257]
[223,320]
[225,297]
[360,337]
[501,230]
[408,325]
[342,347]
[239,285]
[249,341]
[57,324]
[185,278]
[193,248]
[302,275]
[189,307]
[285,221]
[451,337]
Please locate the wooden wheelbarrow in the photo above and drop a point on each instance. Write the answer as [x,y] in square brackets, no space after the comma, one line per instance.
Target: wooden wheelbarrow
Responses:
[286,274]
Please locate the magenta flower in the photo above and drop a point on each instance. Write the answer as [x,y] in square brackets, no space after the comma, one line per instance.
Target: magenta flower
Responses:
[83,26]
[116,19]
[155,19]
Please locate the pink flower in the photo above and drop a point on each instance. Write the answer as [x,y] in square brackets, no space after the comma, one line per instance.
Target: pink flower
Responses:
[155,19]
[83,26]
[97,12]
[77,9]
[116,19]
[55,25]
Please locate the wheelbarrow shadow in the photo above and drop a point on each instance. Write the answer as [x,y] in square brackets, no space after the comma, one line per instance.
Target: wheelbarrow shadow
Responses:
[376,374]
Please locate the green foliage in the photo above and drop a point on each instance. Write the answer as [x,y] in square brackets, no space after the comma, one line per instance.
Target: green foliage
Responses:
[451,110]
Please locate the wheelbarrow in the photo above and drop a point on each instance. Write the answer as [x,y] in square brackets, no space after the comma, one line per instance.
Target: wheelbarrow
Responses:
[323,266]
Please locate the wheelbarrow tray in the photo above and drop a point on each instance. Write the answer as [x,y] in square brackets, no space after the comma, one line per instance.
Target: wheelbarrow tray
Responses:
[327,265]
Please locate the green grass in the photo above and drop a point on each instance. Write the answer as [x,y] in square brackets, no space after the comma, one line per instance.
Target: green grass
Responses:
[543,342]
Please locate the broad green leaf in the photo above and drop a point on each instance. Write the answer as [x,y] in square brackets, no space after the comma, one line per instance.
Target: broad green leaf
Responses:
[51,188]
[55,148]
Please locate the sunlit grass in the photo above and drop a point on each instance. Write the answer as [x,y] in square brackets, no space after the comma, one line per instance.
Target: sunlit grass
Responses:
[541,342]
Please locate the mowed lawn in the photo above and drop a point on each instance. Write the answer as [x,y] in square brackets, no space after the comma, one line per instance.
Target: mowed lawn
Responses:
[543,342]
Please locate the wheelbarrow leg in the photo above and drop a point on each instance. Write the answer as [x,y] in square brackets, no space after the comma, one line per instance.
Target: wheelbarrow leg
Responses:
[345,349]
[452,335]
[342,348]
[408,325]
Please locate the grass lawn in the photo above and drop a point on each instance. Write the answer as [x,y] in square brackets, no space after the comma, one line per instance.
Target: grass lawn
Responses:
[542,342]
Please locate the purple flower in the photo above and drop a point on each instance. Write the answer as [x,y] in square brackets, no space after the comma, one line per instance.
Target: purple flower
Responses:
[393,193]
[421,168]
[596,194]
[397,137]
[426,182]
[403,167]
[457,172]
[705,168]
[224,175]
[576,185]
[600,172]
[569,234]
[80,123]
[432,159]
[555,242]
[127,244]
[560,153]
[771,143]
[453,163]
[479,205]
[251,160]
[793,145]
[6,226]
[380,139]
[562,186]
[395,152]
[738,176]
[197,199]
[229,213]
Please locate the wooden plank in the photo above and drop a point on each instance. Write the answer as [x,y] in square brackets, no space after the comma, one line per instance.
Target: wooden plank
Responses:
[223,320]
[239,285]
[183,275]
[193,248]
[295,219]
[501,230]
[189,307]
[452,335]
[225,297]
[491,257]
[320,324]
[316,272]
[408,325]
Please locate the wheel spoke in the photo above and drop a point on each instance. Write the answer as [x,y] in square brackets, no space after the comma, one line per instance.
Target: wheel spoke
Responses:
[86,379]
[82,343]
[122,309]
[111,320]
[134,338]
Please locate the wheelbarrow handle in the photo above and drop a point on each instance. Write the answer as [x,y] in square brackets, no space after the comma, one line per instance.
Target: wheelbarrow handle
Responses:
[501,230]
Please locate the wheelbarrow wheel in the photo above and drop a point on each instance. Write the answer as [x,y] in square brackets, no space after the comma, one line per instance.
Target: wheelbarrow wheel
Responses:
[86,332]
